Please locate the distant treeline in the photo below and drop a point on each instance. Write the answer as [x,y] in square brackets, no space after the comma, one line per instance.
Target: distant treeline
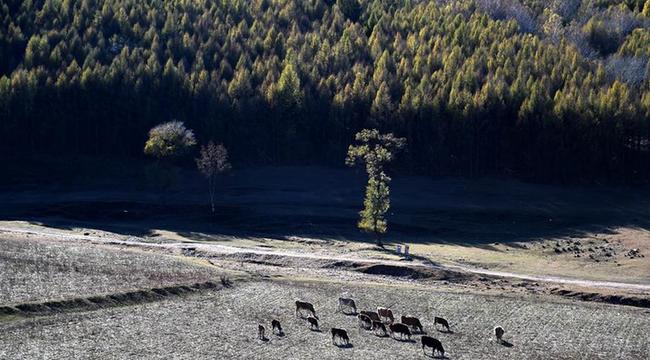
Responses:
[549,90]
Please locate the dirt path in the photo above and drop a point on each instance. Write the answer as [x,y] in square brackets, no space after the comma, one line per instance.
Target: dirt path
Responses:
[217,249]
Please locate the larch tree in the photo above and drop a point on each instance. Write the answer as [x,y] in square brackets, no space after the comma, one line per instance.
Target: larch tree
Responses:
[375,150]
[213,162]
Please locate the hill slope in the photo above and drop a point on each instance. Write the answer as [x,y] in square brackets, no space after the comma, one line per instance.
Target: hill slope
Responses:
[553,89]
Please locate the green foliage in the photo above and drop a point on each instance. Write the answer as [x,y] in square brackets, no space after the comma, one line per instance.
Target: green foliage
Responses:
[375,150]
[478,87]
[646,9]
[350,8]
[169,141]
[637,44]
[600,37]
[288,93]
[375,205]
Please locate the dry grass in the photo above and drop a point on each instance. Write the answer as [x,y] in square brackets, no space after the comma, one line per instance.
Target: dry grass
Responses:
[39,270]
[223,325]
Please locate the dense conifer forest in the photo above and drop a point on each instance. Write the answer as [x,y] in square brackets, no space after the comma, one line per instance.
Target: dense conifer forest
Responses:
[553,90]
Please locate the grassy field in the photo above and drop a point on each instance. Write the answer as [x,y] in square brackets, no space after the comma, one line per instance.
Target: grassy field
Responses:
[37,270]
[223,324]
[584,233]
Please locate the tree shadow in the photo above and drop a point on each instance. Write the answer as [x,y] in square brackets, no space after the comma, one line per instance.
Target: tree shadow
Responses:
[406,340]
[263,203]
[506,343]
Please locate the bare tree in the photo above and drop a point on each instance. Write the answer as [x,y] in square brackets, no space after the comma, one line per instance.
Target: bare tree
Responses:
[509,10]
[213,162]
[629,69]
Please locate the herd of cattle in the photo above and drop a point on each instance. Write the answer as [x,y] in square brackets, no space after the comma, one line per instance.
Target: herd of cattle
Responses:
[375,321]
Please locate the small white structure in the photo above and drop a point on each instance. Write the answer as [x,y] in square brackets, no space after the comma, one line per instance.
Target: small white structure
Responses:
[398,250]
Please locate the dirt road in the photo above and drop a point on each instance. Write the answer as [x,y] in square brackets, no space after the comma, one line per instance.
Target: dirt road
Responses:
[217,249]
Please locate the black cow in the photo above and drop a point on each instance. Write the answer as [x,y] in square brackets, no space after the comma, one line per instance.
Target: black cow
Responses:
[401,329]
[275,324]
[434,344]
[341,334]
[442,322]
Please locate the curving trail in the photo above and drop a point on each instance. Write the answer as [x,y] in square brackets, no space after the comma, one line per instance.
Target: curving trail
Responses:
[225,249]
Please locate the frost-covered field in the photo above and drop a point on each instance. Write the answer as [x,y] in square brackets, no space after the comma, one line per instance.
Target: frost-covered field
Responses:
[223,325]
[39,270]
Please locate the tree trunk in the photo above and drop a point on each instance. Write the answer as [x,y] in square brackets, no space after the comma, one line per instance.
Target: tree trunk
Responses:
[375,215]
[211,184]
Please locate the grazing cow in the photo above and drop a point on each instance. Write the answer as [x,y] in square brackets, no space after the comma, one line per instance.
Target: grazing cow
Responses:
[276,326]
[305,306]
[442,322]
[435,344]
[385,313]
[498,332]
[401,329]
[378,325]
[364,321]
[260,332]
[313,322]
[413,322]
[347,303]
[371,314]
[341,334]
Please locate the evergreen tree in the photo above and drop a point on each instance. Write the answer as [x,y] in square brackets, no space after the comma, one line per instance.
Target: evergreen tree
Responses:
[375,150]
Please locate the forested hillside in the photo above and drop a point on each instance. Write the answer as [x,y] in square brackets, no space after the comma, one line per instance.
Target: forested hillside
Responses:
[550,90]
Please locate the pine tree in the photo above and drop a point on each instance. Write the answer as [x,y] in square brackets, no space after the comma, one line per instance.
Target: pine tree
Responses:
[375,150]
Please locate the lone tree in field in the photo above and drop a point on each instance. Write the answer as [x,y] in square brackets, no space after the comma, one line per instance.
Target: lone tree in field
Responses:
[375,150]
[213,162]
[169,141]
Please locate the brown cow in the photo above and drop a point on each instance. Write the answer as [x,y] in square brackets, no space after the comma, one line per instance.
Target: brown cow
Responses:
[385,313]
[442,322]
[341,334]
[371,314]
[313,322]
[413,322]
[400,329]
[301,305]
[435,344]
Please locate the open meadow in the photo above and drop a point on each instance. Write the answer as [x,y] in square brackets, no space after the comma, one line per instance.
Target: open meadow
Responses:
[223,324]
[37,270]
[221,321]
